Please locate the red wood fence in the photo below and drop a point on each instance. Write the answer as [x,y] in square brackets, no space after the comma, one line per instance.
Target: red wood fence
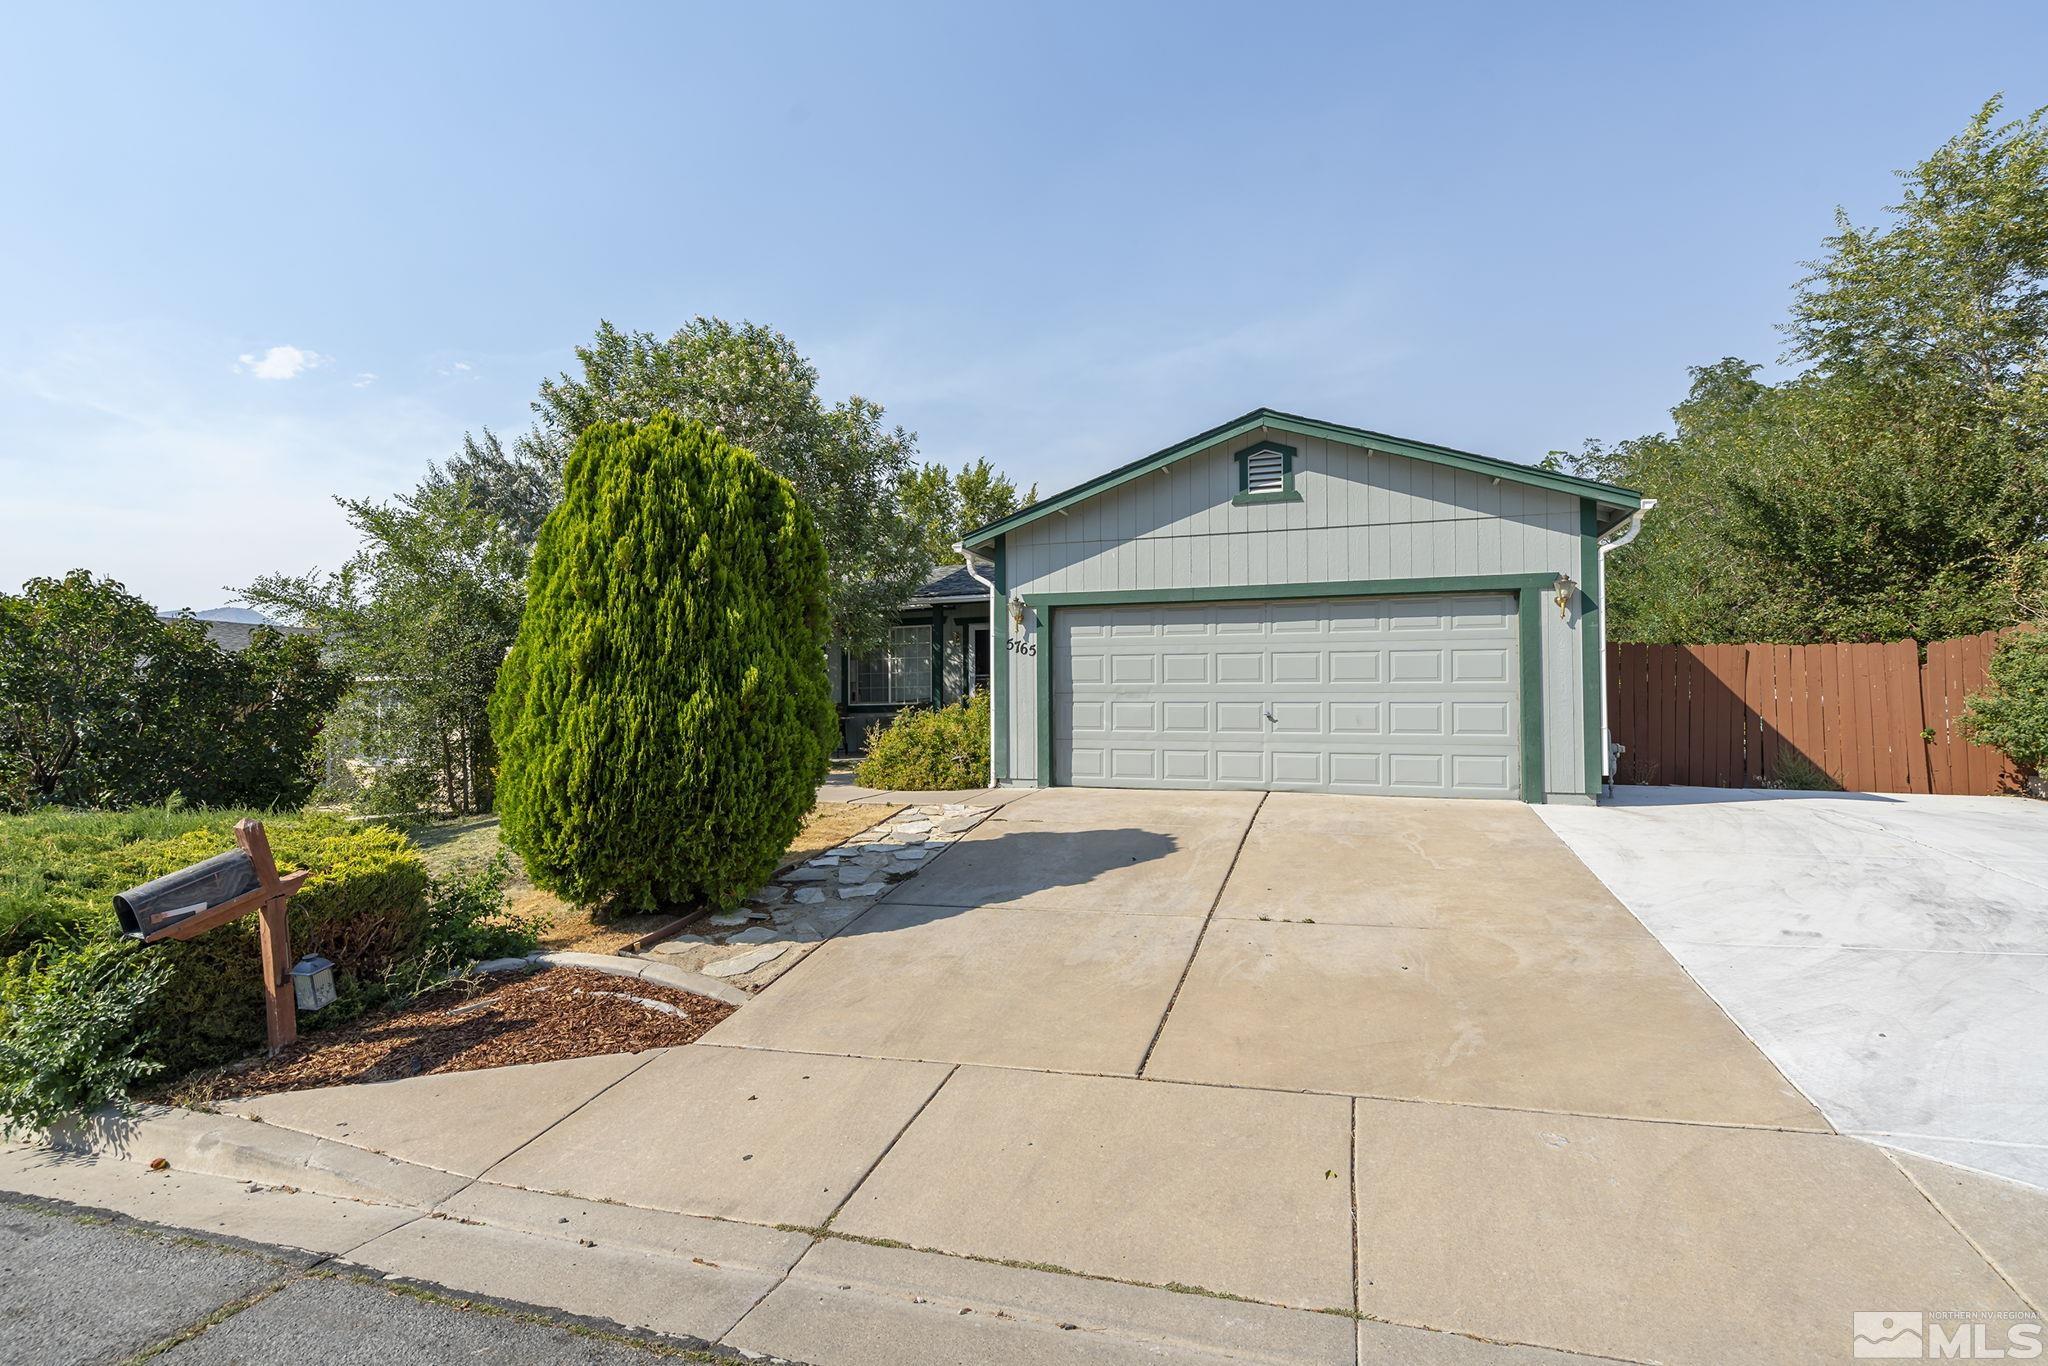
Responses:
[1874,718]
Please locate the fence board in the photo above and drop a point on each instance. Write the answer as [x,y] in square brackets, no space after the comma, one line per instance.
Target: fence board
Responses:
[1728,671]
[1874,718]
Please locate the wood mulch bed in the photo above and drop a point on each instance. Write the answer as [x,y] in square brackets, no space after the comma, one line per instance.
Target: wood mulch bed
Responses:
[495,1021]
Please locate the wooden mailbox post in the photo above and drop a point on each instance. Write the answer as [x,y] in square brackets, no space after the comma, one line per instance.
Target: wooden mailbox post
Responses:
[192,901]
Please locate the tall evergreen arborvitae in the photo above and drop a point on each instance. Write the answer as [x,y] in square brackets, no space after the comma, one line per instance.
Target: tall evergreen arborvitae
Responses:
[664,718]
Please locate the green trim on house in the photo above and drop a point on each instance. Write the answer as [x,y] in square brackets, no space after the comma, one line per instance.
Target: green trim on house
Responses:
[1528,613]
[1244,496]
[1529,590]
[938,656]
[999,667]
[1593,642]
[1612,495]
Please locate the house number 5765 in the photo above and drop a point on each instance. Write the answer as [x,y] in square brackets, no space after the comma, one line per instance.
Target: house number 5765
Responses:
[1023,647]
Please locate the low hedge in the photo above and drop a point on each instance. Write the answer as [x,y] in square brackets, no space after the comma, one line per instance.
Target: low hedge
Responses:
[84,1012]
[923,749]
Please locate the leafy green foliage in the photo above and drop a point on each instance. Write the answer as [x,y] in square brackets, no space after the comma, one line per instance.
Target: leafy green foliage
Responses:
[104,705]
[2013,712]
[82,1012]
[72,1033]
[1897,486]
[422,614]
[923,749]
[750,384]
[366,907]
[664,717]
[946,506]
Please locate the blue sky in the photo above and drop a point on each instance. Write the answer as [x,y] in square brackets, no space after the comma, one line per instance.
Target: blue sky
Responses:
[253,257]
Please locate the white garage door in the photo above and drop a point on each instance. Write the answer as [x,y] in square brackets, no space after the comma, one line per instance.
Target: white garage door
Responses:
[1412,696]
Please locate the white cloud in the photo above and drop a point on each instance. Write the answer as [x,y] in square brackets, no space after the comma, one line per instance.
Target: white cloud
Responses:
[123,451]
[365,380]
[281,362]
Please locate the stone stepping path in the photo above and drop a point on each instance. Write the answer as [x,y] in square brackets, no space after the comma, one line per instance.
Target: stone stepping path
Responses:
[810,902]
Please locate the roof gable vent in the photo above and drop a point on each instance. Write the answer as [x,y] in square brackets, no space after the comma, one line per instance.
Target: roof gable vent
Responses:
[1265,471]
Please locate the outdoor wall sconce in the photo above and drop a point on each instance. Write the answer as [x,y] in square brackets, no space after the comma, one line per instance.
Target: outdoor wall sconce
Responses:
[1017,609]
[1566,586]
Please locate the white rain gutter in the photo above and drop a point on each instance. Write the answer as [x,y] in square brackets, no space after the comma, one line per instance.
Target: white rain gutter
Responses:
[1612,541]
[994,606]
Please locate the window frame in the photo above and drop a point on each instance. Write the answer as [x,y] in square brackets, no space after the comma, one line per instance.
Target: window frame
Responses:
[899,665]
[1286,493]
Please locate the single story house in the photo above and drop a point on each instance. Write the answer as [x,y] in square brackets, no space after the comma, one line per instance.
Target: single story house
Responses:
[938,653]
[1289,604]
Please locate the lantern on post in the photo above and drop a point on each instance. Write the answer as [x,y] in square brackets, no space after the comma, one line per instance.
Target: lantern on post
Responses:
[191,901]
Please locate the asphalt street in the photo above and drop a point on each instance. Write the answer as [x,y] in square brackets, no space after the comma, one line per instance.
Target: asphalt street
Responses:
[82,1287]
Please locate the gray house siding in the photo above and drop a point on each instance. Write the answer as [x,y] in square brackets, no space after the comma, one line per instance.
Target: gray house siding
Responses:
[1364,516]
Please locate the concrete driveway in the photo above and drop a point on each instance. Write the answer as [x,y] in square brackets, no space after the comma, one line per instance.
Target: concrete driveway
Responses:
[1889,953]
[1126,1077]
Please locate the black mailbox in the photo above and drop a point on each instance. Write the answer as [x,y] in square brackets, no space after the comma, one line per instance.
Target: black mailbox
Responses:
[156,906]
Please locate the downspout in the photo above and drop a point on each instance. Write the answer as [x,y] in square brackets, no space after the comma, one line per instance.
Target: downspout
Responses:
[1612,541]
[967,558]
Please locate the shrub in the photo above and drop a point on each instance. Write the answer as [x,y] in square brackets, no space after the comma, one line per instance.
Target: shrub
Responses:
[366,907]
[74,1032]
[927,750]
[2013,712]
[104,705]
[83,1013]
[664,718]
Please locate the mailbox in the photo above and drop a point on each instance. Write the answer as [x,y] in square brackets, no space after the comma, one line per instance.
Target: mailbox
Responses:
[156,906]
[191,901]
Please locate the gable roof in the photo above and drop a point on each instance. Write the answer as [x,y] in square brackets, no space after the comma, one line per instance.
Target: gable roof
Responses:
[949,584]
[1613,495]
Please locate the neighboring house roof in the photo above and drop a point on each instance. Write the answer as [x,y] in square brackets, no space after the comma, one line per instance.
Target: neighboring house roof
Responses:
[950,584]
[234,636]
[1611,494]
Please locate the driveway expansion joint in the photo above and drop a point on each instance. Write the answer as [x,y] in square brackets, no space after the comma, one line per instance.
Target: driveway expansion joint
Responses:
[1207,918]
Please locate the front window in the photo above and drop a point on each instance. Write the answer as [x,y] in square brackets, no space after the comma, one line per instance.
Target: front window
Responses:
[900,675]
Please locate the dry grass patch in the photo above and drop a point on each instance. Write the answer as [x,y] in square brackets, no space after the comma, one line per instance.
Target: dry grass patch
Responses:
[472,842]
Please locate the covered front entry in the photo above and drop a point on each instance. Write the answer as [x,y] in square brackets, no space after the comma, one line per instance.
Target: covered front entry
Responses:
[1373,695]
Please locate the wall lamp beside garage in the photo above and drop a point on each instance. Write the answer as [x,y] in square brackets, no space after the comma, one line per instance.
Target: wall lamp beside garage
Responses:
[1566,585]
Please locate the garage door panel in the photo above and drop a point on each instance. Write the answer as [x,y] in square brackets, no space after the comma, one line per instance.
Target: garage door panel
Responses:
[1356,666]
[1415,718]
[1415,666]
[1479,720]
[1356,718]
[1479,666]
[1133,718]
[1241,666]
[1135,765]
[1388,695]
[1298,768]
[1296,718]
[1138,669]
[1408,769]
[1240,718]
[1484,772]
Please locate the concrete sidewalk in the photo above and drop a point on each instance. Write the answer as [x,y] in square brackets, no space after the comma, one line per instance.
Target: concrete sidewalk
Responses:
[1888,952]
[1126,1077]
